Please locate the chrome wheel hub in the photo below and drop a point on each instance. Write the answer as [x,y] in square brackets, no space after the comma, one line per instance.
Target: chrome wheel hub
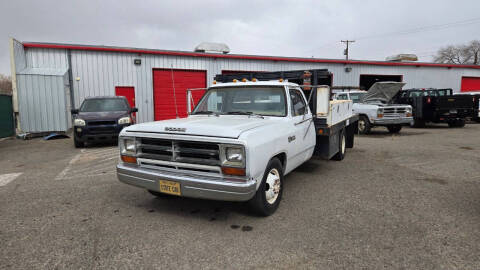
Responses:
[272,186]
[361,125]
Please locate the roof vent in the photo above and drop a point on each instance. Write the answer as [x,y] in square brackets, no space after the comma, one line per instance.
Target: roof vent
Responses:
[210,47]
[403,57]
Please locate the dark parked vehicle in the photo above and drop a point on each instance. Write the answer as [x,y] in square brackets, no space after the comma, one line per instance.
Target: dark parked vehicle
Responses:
[476,106]
[437,106]
[101,119]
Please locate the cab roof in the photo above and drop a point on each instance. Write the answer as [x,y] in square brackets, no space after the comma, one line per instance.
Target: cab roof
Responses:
[257,83]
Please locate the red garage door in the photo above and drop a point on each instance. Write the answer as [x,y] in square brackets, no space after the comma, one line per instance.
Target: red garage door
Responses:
[470,84]
[165,97]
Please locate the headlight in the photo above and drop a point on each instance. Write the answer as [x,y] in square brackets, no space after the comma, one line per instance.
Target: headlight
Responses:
[124,120]
[128,146]
[79,122]
[232,156]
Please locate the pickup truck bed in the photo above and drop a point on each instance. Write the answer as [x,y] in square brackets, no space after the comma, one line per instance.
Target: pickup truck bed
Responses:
[330,117]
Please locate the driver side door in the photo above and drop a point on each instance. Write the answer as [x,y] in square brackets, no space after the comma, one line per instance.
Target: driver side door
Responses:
[302,138]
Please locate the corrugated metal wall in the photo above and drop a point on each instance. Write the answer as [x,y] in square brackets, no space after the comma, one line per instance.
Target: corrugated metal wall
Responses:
[43,103]
[100,71]
[19,56]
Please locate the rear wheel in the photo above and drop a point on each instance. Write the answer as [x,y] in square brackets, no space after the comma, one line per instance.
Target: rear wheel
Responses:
[461,123]
[364,125]
[394,128]
[341,146]
[457,123]
[269,193]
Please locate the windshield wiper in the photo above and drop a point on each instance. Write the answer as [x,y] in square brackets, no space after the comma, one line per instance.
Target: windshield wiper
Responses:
[207,112]
[245,113]
[239,113]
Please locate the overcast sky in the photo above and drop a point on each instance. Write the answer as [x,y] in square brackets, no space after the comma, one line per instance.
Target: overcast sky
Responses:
[286,28]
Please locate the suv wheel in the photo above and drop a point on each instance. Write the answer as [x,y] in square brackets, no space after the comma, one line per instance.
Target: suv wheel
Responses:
[78,144]
[364,125]
[269,193]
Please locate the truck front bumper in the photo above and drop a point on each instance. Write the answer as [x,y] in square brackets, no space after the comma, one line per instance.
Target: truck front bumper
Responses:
[191,186]
[392,121]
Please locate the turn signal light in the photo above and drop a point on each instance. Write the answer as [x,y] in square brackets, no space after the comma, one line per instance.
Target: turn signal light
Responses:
[320,132]
[214,82]
[129,159]
[233,171]
[281,80]
[254,79]
[379,115]
[235,80]
[244,80]
[409,114]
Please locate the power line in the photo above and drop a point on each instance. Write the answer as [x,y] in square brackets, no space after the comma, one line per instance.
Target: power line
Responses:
[424,28]
[412,31]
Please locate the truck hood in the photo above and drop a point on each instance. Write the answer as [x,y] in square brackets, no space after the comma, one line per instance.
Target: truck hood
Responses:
[211,126]
[382,92]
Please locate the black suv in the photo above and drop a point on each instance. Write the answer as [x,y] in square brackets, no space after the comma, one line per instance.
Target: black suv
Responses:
[101,119]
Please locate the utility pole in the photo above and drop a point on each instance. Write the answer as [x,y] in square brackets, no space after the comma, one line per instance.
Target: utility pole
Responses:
[345,52]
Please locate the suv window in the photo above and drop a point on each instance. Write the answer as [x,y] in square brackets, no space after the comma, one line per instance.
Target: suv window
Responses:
[298,104]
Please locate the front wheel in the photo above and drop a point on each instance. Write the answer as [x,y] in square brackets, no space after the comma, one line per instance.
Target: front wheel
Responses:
[269,193]
[364,125]
[77,143]
[394,128]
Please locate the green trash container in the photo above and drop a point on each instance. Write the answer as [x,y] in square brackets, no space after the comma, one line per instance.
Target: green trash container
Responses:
[6,116]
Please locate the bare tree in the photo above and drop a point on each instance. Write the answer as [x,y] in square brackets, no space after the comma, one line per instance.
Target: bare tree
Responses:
[459,54]
[5,84]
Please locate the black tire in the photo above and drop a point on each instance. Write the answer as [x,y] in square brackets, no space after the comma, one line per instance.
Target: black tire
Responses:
[417,123]
[394,128]
[78,144]
[461,123]
[364,125]
[457,123]
[157,194]
[259,203]
[341,146]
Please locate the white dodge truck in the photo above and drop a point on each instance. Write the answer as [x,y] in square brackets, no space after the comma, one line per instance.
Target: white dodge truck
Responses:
[239,142]
[374,107]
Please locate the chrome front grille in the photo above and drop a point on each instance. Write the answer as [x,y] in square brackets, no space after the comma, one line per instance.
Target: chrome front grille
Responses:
[394,112]
[202,153]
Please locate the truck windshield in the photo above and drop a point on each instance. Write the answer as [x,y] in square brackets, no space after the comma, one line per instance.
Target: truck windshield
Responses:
[266,101]
[104,105]
[356,97]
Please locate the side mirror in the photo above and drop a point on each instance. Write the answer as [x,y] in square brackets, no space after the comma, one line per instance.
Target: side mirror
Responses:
[74,111]
[134,109]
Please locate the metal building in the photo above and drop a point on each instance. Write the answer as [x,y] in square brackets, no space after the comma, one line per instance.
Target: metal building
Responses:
[48,78]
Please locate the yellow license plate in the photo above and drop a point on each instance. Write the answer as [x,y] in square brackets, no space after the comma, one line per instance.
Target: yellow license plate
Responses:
[170,187]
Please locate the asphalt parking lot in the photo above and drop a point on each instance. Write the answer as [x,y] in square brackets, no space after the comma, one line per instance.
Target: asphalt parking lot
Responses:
[407,201]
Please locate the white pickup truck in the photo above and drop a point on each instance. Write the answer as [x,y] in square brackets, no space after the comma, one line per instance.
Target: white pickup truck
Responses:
[239,142]
[374,107]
